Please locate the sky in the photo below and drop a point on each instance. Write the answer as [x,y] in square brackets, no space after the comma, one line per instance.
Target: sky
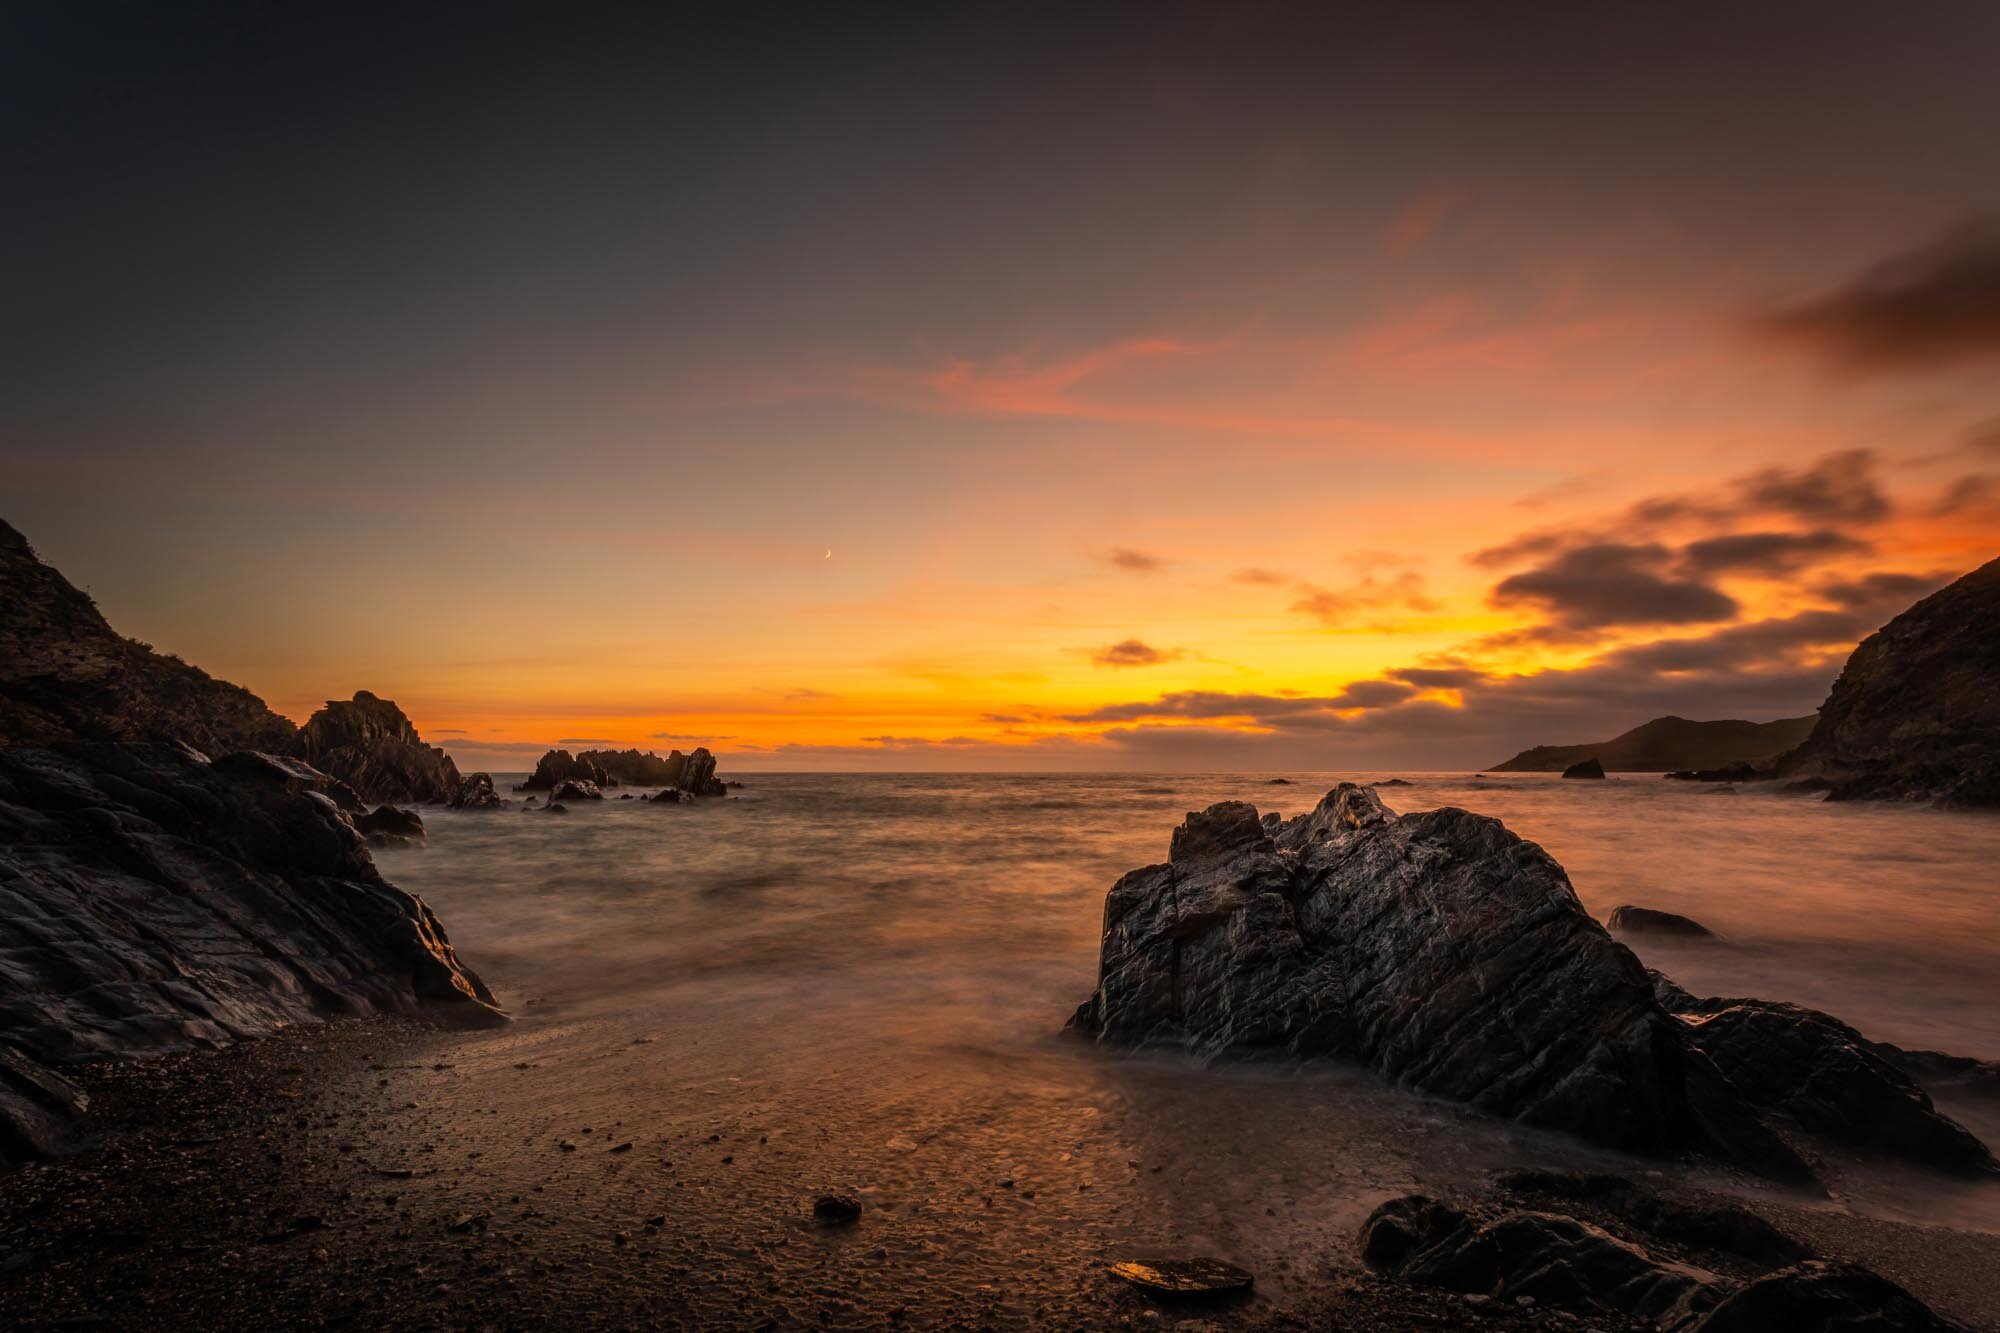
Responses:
[1221,386]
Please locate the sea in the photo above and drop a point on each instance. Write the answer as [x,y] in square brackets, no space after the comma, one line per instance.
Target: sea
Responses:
[859,982]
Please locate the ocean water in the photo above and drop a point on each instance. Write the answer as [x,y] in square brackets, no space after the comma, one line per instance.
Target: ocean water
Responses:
[859,982]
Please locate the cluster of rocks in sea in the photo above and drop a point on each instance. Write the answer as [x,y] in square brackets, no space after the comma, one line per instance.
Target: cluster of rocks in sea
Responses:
[1454,958]
[586,776]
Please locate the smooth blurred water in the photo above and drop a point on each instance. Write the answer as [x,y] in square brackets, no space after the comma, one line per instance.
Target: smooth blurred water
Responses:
[860,982]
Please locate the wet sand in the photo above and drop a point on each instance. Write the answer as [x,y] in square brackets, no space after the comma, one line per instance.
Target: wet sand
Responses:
[394,1175]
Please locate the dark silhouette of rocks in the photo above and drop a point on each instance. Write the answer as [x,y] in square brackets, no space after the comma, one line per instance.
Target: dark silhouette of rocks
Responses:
[387,826]
[574,789]
[1732,773]
[1915,715]
[475,792]
[692,773]
[1822,1074]
[151,898]
[1585,768]
[1629,920]
[1438,949]
[66,675]
[372,746]
[1637,1258]
[558,766]
[1668,743]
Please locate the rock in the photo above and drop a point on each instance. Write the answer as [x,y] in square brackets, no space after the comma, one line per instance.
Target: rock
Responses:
[559,766]
[475,792]
[1629,920]
[1183,1277]
[1740,772]
[640,770]
[1392,782]
[625,796]
[1727,1228]
[1672,743]
[1437,949]
[1586,768]
[671,796]
[574,789]
[1823,1296]
[836,1209]
[386,826]
[552,808]
[1279,782]
[1547,1260]
[369,744]
[67,675]
[1915,715]
[1826,1076]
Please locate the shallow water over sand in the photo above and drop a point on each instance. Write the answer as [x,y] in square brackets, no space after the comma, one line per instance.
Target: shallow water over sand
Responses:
[860,981]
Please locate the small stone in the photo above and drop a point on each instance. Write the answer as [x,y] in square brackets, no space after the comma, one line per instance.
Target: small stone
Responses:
[1183,1277]
[836,1209]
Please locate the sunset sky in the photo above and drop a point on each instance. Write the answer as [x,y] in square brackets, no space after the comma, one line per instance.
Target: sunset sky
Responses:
[1043,387]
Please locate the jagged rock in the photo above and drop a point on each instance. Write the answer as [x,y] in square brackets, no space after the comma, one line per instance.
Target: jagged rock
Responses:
[671,796]
[698,776]
[386,826]
[558,766]
[1915,714]
[1823,1296]
[1737,772]
[1728,1228]
[1552,1261]
[67,675]
[149,899]
[1438,949]
[1629,920]
[638,769]
[574,789]
[1545,1258]
[1588,768]
[475,792]
[1826,1076]
[372,746]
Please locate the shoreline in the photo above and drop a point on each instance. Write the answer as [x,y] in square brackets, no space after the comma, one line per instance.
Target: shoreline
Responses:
[340,1176]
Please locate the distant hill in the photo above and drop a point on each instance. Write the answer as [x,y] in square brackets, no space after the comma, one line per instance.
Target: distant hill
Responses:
[1669,743]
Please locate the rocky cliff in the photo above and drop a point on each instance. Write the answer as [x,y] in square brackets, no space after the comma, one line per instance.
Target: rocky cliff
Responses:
[151,896]
[372,746]
[1668,743]
[1915,714]
[1453,957]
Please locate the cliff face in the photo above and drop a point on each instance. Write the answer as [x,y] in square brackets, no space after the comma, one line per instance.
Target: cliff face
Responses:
[1668,743]
[66,674]
[151,897]
[1916,713]
[370,744]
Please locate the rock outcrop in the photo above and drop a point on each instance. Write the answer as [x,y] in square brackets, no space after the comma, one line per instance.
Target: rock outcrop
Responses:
[475,792]
[151,898]
[1915,715]
[65,674]
[1668,743]
[1449,955]
[575,789]
[1584,768]
[1825,1076]
[371,745]
[559,766]
[388,826]
[1637,1259]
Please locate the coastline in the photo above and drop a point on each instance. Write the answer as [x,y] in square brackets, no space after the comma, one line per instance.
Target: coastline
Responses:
[357,1174]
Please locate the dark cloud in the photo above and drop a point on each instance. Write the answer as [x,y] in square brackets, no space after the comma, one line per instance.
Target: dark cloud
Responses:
[685,736]
[1134,653]
[585,740]
[1935,306]
[1883,594]
[1984,437]
[1269,578]
[1135,562]
[1003,719]
[1589,587]
[1973,494]
[1767,552]
[1839,488]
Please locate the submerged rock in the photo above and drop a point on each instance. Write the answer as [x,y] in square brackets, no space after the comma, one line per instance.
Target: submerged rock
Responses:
[1825,1296]
[1629,920]
[574,789]
[1915,714]
[1449,955]
[372,746]
[836,1209]
[1588,768]
[475,792]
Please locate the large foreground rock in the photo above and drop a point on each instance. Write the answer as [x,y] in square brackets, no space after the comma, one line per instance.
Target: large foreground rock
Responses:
[1915,714]
[372,745]
[1447,954]
[150,899]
